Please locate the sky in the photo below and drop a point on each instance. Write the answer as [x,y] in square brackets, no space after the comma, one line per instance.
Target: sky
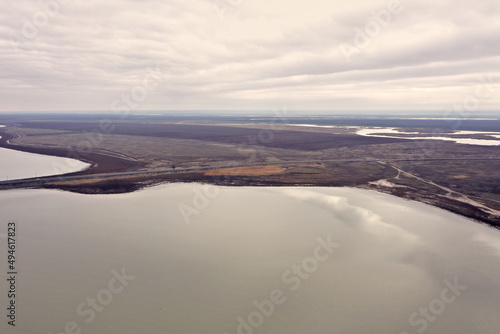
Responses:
[317,55]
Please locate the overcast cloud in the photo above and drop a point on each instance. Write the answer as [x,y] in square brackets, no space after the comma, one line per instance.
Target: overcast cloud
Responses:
[250,54]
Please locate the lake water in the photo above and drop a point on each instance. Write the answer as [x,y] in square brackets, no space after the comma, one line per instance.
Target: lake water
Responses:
[20,165]
[382,132]
[386,133]
[187,258]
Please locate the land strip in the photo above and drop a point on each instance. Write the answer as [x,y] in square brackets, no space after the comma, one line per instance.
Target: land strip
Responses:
[460,178]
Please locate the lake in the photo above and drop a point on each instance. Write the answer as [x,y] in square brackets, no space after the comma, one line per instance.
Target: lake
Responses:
[385,132]
[191,258]
[20,165]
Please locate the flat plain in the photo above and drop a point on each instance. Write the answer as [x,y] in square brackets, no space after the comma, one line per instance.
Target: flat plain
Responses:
[138,151]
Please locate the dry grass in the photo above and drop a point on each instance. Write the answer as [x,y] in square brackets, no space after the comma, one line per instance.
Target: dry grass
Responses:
[95,180]
[247,171]
[74,183]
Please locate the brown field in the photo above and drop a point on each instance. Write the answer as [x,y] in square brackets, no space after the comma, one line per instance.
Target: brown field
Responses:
[299,139]
[146,146]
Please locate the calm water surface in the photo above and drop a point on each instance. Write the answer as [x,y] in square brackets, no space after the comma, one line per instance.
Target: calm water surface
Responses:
[200,259]
[20,165]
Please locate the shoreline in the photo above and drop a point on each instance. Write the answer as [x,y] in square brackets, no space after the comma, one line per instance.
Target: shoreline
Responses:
[121,185]
[102,163]
[99,163]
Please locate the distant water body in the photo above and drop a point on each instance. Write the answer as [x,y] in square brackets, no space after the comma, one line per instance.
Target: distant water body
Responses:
[188,258]
[19,165]
[382,132]
[385,132]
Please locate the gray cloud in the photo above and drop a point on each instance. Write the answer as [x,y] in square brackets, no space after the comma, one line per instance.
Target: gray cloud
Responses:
[81,55]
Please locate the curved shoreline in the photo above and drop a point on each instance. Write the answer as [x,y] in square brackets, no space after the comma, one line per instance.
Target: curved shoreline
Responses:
[99,163]
[102,163]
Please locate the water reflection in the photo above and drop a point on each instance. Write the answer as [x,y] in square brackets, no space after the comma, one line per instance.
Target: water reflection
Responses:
[252,259]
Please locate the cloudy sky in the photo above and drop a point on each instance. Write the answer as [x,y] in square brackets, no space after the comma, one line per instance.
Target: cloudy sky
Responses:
[63,55]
